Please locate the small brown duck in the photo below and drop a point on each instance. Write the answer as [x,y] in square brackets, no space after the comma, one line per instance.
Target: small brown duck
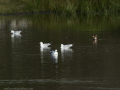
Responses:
[95,37]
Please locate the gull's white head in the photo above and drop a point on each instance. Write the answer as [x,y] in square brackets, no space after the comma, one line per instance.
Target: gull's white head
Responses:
[55,50]
[12,31]
[41,43]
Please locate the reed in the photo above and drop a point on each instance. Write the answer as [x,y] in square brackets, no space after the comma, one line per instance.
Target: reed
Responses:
[73,6]
[99,6]
[10,6]
[60,6]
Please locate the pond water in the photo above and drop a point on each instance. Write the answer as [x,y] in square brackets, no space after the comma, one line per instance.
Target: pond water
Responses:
[88,65]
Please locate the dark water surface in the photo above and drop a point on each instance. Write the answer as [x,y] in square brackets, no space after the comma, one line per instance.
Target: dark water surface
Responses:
[88,65]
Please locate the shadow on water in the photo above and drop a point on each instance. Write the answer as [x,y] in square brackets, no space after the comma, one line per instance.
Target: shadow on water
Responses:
[87,65]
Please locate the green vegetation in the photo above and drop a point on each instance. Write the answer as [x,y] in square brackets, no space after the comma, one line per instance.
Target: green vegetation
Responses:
[59,6]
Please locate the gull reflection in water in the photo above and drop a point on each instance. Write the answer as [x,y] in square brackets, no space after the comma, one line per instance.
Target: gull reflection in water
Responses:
[16,39]
[66,53]
[44,51]
[95,43]
[54,56]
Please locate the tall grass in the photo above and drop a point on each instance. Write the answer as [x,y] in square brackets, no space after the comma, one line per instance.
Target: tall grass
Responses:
[60,6]
[99,6]
[71,6]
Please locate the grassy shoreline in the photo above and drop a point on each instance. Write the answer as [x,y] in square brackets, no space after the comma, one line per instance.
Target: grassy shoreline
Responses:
[61,6]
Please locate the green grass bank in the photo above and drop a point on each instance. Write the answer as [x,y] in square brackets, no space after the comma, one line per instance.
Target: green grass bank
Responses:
[59,6]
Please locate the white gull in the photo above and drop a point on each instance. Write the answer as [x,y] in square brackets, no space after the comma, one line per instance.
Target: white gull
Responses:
[54,55]
[44,45]
[54,52]
[66,46]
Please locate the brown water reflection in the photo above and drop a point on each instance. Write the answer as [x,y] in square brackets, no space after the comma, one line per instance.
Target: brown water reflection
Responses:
[88,65]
